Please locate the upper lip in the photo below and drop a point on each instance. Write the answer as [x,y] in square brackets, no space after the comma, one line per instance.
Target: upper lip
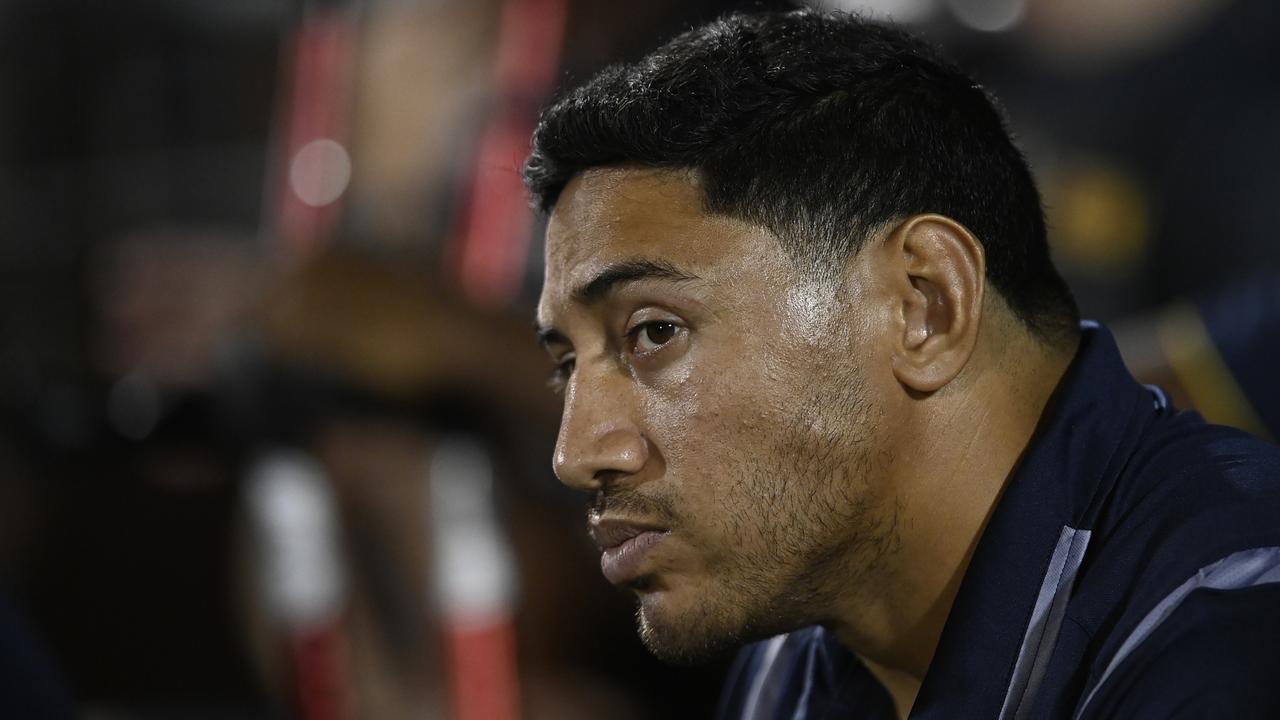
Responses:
[612,532]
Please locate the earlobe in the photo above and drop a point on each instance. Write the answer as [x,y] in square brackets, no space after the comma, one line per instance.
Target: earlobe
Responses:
[939,283]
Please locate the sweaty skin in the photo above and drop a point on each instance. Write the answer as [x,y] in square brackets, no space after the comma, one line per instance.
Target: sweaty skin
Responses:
[807,451]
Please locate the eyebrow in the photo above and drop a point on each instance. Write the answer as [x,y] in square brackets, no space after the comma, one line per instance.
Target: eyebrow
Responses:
[612,276]
[608,280]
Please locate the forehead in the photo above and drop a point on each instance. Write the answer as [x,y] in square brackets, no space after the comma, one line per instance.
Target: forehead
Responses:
[612,215]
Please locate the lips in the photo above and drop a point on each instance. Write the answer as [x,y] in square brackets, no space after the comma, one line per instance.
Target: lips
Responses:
[624,548]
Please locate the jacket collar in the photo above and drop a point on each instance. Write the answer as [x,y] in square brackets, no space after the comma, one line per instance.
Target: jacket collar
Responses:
[1086,435]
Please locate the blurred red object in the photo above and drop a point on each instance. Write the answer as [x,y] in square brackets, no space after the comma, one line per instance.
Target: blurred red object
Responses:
[494,242]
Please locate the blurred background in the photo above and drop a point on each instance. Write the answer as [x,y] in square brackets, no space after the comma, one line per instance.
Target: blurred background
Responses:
[274,440]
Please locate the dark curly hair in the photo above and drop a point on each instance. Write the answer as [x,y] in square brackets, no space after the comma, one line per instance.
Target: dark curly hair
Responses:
[824,128]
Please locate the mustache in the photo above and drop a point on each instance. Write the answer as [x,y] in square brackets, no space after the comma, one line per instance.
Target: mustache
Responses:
[634,505]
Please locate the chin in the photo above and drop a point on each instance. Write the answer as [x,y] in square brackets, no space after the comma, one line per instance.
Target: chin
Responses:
[689,633]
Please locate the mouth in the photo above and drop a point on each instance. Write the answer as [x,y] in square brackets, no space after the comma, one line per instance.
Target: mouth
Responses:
[624,548]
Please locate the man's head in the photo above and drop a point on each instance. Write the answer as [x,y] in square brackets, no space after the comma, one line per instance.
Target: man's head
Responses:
[768,249]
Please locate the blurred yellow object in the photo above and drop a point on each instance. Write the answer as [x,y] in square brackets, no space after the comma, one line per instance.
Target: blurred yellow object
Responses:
[1099,216]
[1201,371]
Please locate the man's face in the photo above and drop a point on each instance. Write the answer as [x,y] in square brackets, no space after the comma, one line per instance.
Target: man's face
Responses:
[722,409]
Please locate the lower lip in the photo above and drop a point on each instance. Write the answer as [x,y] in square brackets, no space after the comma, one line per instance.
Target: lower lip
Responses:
[622,563]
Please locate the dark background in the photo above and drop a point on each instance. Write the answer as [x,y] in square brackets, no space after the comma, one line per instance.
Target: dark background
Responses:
[160,331]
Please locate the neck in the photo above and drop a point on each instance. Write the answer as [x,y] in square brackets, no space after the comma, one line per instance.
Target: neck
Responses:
[948,476]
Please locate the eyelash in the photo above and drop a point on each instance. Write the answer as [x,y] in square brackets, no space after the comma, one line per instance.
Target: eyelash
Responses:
[559,376]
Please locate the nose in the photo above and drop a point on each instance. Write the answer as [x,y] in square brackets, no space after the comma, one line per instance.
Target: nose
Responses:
[600,440]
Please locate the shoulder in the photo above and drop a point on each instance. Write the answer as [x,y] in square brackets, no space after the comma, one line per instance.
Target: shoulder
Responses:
[1183,457]
[1182,593]
[1217,654]
[1192,493]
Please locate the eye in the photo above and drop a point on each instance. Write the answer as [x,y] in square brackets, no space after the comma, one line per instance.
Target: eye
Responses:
[559,377]
[652,335]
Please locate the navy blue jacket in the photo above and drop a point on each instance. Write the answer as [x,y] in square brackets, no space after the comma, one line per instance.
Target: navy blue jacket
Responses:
[1130,570]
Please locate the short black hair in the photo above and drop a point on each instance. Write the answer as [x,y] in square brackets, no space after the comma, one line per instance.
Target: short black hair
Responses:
[824,128]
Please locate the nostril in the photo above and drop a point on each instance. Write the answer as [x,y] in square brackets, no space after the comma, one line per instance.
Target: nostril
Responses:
[575,469]
[605,478]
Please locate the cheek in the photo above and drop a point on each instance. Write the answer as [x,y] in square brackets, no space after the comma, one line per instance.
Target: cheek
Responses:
[704,413]
[717,434]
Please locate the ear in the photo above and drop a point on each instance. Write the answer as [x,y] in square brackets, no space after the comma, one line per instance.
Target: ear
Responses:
[937,275]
